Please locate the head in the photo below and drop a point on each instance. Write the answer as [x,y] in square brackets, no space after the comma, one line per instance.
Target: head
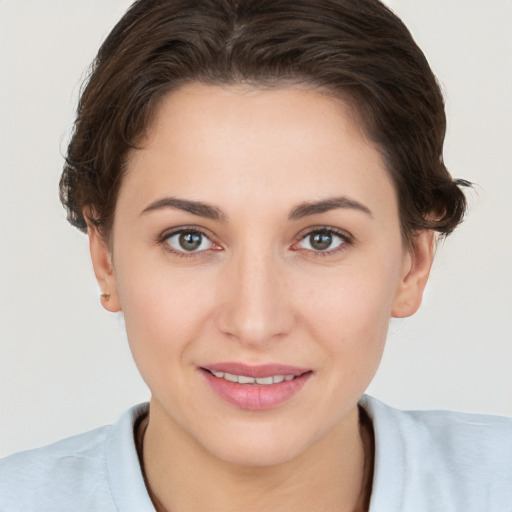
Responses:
[227,131]
[359,52]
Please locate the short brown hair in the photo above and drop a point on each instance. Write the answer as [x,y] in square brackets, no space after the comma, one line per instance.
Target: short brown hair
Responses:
[357,50]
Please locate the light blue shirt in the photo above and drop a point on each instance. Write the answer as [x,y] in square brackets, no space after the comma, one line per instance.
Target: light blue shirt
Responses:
[434,461]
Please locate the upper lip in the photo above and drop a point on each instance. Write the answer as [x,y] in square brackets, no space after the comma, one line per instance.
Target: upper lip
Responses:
[264,370]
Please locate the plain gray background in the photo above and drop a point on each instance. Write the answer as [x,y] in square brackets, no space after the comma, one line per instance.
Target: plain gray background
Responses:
[64,362]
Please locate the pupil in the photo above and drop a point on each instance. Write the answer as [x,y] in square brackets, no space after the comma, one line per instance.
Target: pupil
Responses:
[321,241]
[190,241]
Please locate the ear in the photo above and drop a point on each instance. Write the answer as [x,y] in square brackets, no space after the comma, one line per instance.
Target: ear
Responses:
[103,269]
[414,277]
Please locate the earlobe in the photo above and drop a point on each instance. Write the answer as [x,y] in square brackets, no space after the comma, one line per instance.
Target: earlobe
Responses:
[103,269]
[415,273]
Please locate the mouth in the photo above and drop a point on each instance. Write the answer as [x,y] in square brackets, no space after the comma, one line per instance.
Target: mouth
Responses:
[245,379]
[255,387]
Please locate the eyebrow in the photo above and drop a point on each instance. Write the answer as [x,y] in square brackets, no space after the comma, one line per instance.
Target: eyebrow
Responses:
[194,207]
[325,205]
[298,212]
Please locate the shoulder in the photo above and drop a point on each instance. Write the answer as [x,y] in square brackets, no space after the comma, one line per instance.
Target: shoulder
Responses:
[480,436]
[464,460]
[56,475]
[72,474]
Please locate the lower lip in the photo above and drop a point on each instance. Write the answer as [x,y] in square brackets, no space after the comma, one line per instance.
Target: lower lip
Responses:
[256,397]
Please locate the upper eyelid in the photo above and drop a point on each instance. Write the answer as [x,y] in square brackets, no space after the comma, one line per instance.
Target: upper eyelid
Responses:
[345,235]
[183,229]
[304,232]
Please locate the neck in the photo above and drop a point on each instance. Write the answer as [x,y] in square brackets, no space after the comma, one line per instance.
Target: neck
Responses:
[334,474]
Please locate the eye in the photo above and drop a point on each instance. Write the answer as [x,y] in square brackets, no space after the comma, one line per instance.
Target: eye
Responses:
[323,240]
[188,241]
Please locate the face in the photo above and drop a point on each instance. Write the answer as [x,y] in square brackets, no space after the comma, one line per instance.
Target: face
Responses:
[257,236]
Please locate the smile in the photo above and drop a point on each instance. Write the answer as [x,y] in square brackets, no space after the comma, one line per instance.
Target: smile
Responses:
[255,388]
[244,379]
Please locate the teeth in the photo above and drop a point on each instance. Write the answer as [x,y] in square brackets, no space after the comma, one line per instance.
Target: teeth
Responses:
[243,379]
[265,380]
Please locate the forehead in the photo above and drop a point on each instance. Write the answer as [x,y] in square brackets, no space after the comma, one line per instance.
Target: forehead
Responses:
[255,144]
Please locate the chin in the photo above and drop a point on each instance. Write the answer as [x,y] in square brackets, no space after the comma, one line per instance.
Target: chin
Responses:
[255,447]
[258,454]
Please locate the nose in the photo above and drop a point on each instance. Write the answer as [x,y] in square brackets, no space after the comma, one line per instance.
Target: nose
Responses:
[255,305]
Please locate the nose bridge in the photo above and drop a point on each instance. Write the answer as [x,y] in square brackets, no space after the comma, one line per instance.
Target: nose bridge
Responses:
[256,307]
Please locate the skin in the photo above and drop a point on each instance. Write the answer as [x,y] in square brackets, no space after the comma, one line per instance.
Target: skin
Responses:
[257,292]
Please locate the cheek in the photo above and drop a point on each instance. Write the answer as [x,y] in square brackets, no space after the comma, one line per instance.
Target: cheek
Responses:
[350,312]
[165,310]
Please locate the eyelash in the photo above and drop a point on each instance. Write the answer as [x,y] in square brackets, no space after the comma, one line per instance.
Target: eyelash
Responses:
[346,239]
[162,240]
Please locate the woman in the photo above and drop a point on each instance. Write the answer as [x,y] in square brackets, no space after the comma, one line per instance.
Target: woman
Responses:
[262,184]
